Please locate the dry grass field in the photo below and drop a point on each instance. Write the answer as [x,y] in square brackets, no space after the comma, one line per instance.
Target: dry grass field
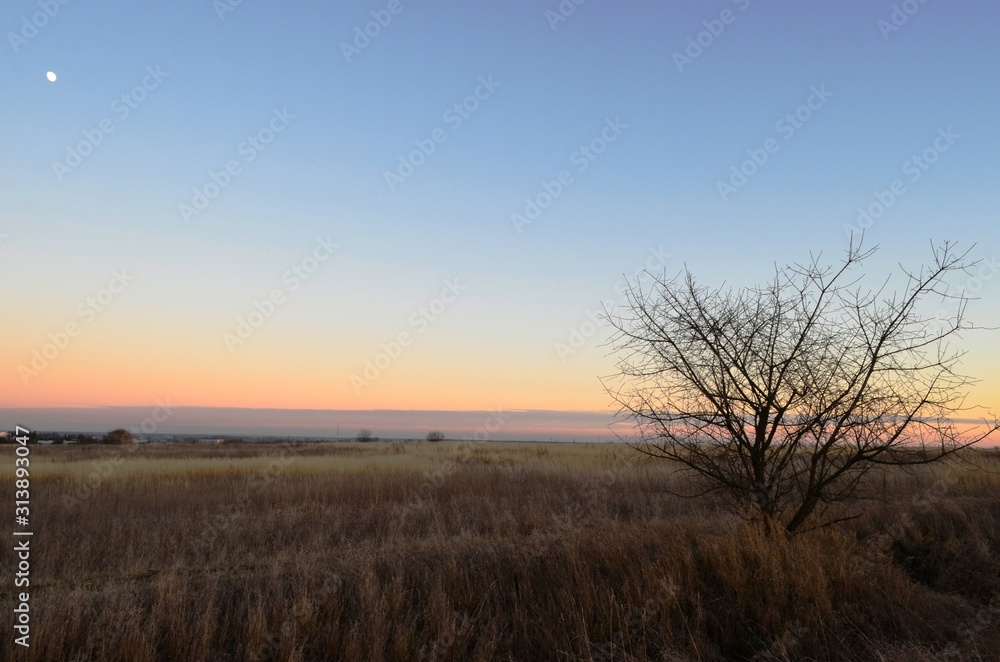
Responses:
[489,551]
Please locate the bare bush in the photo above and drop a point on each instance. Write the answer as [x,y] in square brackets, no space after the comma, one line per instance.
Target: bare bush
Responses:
[118,436]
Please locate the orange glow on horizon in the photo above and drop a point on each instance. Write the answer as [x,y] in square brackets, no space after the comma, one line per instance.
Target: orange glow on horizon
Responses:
[133,367]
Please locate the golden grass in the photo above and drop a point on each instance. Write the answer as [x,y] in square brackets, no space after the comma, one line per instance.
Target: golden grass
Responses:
[449,551]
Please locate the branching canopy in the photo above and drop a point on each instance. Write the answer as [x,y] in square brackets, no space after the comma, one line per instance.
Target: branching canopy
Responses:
[783,396]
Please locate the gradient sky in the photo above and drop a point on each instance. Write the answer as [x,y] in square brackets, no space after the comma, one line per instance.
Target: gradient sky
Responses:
[652,192]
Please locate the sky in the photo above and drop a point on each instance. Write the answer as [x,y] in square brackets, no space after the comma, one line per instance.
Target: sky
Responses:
[406,205]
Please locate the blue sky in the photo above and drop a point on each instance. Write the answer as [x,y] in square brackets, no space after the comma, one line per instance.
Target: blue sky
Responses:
[654,187]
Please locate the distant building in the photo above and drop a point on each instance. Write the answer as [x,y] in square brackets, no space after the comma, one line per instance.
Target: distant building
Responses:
[46,442]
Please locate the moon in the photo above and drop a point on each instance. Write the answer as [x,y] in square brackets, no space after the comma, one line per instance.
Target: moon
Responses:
[51,76]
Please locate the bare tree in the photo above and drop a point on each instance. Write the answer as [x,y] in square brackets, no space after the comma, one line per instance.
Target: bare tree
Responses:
[435,435]
[782,397]
[365,435]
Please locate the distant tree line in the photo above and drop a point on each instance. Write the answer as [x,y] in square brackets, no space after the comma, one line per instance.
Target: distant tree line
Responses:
[365,435]
[118,436]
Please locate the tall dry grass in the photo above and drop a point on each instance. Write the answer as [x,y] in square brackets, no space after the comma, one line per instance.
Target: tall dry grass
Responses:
[394,551]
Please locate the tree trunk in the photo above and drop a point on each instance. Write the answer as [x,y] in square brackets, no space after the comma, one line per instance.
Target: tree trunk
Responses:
[802,514]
